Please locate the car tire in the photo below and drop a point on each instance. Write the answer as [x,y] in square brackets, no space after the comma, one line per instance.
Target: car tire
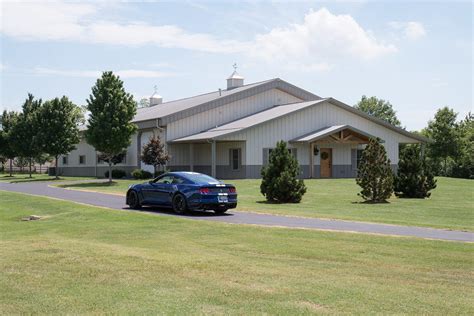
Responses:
[134,200]
[220,211]
[179,204]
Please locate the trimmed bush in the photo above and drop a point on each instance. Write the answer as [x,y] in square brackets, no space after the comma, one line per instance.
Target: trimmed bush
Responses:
[141,174]
[375,176]
[116,174]
[414,177]
[280,183]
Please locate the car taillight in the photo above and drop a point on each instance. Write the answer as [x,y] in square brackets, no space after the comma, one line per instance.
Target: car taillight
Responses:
[232,190]
[204,190]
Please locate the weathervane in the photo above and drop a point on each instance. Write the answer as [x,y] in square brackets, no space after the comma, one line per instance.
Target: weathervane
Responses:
[235,66]
[156,88]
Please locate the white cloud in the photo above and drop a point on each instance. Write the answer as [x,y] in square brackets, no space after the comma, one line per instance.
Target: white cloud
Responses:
[316,44]
[411,30]
[76,22]
[127,73]
[322,36]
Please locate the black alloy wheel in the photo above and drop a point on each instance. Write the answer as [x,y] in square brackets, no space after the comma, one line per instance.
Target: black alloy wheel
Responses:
[179,204]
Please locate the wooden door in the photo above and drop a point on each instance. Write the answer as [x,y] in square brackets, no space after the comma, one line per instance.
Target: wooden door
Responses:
[325,156]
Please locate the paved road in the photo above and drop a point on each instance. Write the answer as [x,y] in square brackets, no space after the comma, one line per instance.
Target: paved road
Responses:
[117,202]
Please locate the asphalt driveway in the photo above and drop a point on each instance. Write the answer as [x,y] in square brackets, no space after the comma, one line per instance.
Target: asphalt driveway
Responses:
[234,217]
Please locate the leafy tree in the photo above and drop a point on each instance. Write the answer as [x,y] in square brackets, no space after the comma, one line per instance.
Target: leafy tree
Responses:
[414,177]
[21,162]
[154,153]
[7,150]
[42,159]
[443,130]
[118,158]
[143,103]
[280,181]
[58,133]
[378,108]
[24,132]
[111,110]
[374,174]
[464,162]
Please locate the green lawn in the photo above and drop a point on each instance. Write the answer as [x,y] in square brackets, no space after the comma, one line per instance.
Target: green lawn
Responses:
[450,206]
[81,259]
[22,177]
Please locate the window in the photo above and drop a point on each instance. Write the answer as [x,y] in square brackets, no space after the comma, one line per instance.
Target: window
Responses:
[65,160]
[201,178]
[82,159]
[268,151]
[235,159]
[165,180]
[359,156]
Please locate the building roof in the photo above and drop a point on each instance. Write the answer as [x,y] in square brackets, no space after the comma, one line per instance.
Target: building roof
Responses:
[323,132]
[281,110]
[172,110]
[246,122]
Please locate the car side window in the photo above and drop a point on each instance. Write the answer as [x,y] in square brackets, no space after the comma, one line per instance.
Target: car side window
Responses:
[165,180]
[177,180]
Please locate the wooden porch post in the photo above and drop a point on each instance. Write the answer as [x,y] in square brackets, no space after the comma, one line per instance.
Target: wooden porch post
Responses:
[213,158]
[311,160]
[191,157]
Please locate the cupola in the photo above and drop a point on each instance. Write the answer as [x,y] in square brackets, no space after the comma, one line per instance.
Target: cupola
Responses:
[155,98]
[235,80]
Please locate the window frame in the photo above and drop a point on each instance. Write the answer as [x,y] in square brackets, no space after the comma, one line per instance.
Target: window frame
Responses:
[83,162]
[65,160]
[239,158]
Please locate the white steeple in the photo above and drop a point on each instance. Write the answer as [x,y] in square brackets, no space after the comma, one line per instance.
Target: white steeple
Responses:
[235,80]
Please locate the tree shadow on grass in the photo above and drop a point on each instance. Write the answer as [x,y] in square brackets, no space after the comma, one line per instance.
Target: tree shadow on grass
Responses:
[169,211]
[90,185]
[370,202]
[277,203]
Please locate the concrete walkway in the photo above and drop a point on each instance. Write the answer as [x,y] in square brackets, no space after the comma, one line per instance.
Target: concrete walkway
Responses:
[234,217]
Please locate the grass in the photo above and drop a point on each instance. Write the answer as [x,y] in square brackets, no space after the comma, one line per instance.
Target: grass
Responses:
[450,206]
[82,259]
[21,177]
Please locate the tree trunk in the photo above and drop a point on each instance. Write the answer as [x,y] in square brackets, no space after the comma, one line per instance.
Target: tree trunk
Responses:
[11,167]
[29,163]
[56,171]
[446,166]
[110,172]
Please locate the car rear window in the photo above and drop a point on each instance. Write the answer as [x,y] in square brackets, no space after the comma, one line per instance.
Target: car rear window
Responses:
[201,178]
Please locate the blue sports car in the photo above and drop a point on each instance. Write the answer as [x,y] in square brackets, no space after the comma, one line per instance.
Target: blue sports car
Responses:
[183,191]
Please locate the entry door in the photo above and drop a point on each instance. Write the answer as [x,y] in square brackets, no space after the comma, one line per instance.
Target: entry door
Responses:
[325,155]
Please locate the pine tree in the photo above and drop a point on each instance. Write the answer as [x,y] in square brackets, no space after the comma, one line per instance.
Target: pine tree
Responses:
[110,126]
[280,181]
[414,177]
[154,153]
[374,175]
[59,132]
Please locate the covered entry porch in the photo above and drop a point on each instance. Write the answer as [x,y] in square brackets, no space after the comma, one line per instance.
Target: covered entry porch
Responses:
[219,159]
[334,151]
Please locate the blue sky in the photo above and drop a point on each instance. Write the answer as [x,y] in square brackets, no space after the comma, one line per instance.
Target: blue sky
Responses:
[417,55]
